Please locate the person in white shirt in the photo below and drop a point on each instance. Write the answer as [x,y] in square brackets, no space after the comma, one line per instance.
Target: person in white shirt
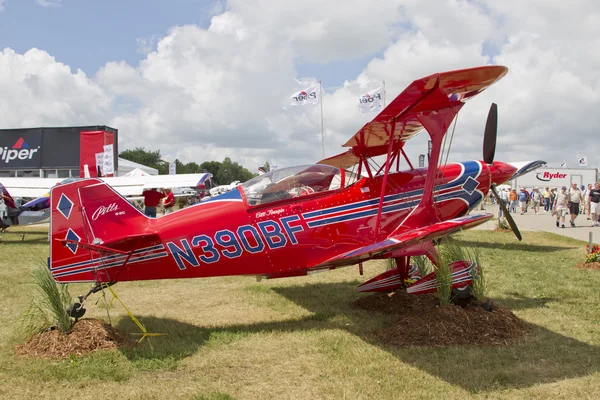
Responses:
[536,198]
[503,198]
[575,198]
[560,206]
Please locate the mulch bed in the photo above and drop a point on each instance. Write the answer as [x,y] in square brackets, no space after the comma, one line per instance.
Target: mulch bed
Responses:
[421,321]
[591,265]
[86,335]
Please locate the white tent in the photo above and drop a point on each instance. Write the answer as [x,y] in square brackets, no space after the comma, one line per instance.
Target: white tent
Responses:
[126,166]
[137,172]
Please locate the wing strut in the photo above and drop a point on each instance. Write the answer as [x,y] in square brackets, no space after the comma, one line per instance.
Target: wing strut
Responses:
[436,123]
[385,175]
[431,87]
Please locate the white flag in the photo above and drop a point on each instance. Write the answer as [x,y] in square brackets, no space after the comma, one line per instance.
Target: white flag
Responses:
[583,161]
[371,101]
[307,96]
[563,164]
[172,168]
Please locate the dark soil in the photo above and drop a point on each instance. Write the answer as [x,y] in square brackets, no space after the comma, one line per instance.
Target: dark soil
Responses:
[591,265]
[419,320]
[86,335]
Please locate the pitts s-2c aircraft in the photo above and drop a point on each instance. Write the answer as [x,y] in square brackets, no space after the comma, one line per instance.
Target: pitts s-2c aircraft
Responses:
[299,220]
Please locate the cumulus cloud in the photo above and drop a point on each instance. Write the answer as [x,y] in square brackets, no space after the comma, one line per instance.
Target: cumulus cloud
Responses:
[37,90]
[50,3]
[206,93]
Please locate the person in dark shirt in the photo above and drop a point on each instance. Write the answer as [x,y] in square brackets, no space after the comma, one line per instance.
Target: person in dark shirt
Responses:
[152,199]
[594,199]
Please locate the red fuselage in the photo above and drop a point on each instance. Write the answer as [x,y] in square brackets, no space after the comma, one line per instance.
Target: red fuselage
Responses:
[288,237]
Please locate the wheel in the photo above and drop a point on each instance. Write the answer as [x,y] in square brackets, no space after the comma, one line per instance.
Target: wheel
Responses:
[75,310]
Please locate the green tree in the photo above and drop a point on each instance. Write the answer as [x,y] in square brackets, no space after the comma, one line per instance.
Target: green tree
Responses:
[230,171]
[211,167]
[192,168]
[223,172]
[146,157]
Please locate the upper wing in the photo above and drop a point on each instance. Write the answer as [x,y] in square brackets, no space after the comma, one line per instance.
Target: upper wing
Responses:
[29,187]
[420,96]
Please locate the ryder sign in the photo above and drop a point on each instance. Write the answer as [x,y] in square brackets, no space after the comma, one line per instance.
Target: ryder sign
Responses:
[556,177]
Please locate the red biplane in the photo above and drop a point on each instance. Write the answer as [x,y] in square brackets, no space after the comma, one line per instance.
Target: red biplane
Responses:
[299,220]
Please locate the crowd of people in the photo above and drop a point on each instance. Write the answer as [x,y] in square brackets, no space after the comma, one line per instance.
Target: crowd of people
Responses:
[559,202]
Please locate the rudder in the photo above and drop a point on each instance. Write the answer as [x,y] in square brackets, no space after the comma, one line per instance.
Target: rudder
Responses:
[88,212]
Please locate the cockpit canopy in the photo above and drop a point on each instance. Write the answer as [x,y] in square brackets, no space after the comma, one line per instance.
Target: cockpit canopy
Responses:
[286,183]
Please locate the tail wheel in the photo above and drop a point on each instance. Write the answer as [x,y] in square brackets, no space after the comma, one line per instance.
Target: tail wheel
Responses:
[76,310]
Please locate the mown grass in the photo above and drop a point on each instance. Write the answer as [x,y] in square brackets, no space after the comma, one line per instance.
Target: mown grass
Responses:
[235,338]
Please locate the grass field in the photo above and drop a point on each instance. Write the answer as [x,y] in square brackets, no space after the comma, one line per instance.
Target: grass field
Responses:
[299,338]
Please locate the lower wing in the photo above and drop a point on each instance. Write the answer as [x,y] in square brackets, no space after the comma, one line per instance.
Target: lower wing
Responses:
[403,239]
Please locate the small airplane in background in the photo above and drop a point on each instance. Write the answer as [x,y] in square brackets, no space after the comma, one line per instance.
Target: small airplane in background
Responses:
[300,220]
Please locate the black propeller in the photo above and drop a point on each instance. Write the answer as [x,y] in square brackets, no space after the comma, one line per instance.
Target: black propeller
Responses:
[489,137]
[505,212]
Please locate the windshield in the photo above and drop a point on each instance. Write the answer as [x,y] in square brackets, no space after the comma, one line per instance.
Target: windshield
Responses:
[286,183]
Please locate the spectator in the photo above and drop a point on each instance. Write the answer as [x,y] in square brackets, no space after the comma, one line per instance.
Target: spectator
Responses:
[594,200]
[523,197]
[536,198]
[586,199]
[560,206]
[574,201]
[152,199]
[514,199]
[547,199]
[504,199]
[552,198]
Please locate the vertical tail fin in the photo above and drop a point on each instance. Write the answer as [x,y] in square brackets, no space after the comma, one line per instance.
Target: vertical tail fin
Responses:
[88,213]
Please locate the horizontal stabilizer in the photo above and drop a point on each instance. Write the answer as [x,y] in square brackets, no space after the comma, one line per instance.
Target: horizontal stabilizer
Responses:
[400,240]
[90,246]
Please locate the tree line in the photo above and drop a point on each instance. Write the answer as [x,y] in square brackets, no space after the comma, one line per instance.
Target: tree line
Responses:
[223,172]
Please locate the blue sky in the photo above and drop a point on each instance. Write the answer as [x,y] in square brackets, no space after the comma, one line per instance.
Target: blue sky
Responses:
[86,34]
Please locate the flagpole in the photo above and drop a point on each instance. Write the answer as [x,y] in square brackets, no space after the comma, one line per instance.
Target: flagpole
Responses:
[384,93]
[322,133]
